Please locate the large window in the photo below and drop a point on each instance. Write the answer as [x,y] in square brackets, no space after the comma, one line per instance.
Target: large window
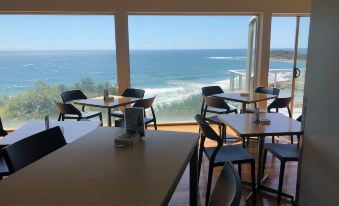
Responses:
[289,34]
[173,57]
[42,55]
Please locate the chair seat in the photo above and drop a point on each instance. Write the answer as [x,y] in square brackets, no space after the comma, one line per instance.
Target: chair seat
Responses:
[232,153]
[219,111]
[118,114]
[285,152]
[3,167]
[85,115]
[214,119]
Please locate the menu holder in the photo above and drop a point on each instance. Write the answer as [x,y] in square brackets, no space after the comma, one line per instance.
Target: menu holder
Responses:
[106,94]
[264,121]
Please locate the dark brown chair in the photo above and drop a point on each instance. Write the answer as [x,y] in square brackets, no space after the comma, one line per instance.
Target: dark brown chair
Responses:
[129,92]
[146,104]
[72,95]
[227,190]
[69,111]
[285,153]
[264,90]
[221,154]
[32,148]
[208,91]
[221,107]
[2,131]
[281,103]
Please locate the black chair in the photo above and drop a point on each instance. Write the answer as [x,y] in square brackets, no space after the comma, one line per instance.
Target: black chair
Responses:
[285,153]
[221,107]
[281,103]
[129,92]
[264,90]
[32,148]
[208,91]
[146,104]
[69,96]
[221,154]
[2,131]
[69,111]
[136,93]
[227,190]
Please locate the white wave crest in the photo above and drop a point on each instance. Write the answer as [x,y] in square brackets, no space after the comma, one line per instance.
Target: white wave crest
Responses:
[227,57]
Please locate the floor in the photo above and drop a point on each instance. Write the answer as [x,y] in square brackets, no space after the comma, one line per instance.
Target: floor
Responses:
[181,195]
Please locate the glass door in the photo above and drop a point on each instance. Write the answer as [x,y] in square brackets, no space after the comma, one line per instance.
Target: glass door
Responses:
[289,38]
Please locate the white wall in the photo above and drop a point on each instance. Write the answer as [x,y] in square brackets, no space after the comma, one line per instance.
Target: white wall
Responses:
[319,182]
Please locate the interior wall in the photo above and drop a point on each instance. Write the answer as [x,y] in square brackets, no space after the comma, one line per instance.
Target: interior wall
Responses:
[277,6]
[319,181]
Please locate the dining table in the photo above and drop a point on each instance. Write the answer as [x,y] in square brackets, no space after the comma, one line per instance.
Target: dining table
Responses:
[72,130]
[93,171]
[245,98]
[107,103]
[244,125]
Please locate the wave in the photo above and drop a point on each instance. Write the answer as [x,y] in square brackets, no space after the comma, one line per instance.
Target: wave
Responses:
[227,57]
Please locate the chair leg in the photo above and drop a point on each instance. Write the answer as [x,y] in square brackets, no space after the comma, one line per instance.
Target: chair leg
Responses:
[281,179]
[199,162]
[59,118]
[155,125]
[100,118]
[239,170]
[254,197]
[273,139]
[298,138]
[264,163]
[248,141]
[209,183]
[243,142]
[291,139]
[224,133]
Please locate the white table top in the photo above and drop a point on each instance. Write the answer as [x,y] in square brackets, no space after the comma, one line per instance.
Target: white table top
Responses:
[72,130]
[92,171]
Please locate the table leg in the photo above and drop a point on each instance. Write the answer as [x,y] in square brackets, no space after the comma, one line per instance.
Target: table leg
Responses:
[109,119]
[261,145]
[194,178]
[243,107]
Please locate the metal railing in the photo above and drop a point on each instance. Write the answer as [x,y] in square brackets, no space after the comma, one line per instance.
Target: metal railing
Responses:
[238,77]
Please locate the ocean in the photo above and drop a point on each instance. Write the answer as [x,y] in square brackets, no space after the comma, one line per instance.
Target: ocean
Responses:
[171,75]
[154,70]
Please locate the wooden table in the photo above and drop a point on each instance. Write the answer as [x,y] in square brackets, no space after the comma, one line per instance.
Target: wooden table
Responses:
[113,102]
[72,130]
[245,97]
[91,171]
[244,126]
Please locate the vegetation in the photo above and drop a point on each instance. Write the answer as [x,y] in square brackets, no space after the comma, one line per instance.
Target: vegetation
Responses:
[284,55]
[39,101]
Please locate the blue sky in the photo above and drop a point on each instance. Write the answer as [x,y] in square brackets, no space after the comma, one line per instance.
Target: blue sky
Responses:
[74,32]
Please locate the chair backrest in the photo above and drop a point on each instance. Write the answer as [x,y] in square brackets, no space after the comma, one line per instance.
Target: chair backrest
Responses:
[144,103]
[32,148]
[68,109]
[268,90]
[210,90]
[280,103]
[2,131]
[72,95]
[136,93]
[216,103]
[207,131]
[227,190]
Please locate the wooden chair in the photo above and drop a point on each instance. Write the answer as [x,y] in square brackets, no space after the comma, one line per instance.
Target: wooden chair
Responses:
[2,131]
[32,148]
[227,190]
[221,154]
[285,153]
[281,103]
[221,107]
[146,104]
[129,92]
[69,111]
[72,95]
